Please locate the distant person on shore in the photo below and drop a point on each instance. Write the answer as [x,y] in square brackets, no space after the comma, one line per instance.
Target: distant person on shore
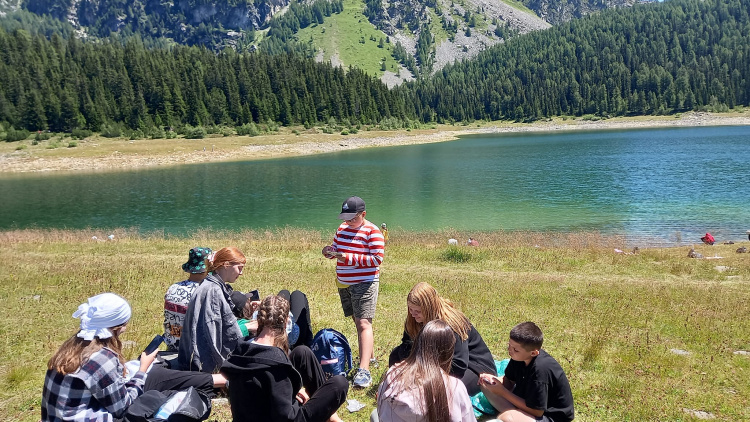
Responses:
[535,387]
[384,230]
[708,239]
[210,331]
[748,235]
[358,248]
[472,242]
[177,298]
[470,356]
[419,389]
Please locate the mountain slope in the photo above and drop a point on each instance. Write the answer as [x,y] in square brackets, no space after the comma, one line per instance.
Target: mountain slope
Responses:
[411,38]
[559,11]
[649,59]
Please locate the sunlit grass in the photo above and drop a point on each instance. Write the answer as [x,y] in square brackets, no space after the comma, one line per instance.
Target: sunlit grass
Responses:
[342,34]
[612,320]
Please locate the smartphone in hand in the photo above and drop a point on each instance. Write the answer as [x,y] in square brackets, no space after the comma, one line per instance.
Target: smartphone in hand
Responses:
[155,343]
[254,295]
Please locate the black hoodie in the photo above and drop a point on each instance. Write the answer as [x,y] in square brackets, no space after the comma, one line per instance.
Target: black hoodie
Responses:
[263,384]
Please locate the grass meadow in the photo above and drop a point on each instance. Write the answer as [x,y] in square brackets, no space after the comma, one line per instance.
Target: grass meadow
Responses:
[353,39]
[650,336]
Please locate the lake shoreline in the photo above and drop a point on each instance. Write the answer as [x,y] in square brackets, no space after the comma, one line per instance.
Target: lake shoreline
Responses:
[101,154]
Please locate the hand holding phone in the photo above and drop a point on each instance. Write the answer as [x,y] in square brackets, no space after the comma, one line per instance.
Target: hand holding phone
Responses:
[254,295]
[155,343]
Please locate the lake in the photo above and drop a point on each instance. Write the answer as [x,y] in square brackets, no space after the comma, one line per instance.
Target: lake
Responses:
[659,186]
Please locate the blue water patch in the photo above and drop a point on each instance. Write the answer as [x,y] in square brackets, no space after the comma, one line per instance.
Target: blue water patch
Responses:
[662,185]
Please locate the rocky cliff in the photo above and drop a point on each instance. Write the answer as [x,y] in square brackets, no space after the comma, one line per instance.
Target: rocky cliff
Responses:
[559,11]
[188,21]
[8,6]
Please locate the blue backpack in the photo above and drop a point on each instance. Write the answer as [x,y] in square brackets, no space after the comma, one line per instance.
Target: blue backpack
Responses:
[332,351]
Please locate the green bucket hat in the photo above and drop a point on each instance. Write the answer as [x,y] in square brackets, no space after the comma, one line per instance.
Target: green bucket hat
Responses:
[197,260]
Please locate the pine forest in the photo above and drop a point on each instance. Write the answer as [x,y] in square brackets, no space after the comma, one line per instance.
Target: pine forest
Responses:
[657,58]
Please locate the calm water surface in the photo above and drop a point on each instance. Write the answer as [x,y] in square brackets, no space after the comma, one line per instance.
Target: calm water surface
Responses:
[663,185]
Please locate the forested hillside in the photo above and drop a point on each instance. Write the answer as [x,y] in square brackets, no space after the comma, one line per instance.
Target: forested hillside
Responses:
[648,59]
[64,85]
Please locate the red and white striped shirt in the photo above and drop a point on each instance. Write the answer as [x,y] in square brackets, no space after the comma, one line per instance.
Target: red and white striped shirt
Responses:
[363,250]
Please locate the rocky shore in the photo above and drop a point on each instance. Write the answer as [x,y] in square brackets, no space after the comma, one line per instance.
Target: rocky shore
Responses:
[86,157]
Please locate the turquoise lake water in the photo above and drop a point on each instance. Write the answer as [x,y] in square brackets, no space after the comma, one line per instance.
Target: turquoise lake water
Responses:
[657,185]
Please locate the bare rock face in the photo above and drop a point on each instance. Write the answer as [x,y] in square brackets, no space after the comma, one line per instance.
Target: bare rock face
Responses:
[556,12]
[9,6]
[236,15]
[402,21]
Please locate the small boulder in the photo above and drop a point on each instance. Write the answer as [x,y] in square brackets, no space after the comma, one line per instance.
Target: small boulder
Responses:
[694,254]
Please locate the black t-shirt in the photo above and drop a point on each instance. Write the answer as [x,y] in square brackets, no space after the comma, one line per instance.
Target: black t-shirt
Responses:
[543,385]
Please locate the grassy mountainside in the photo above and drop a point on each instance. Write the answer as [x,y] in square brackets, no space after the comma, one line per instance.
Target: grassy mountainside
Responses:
[651,336]
[349,39]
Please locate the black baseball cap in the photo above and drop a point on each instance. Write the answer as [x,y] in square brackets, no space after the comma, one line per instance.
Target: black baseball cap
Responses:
[351,207]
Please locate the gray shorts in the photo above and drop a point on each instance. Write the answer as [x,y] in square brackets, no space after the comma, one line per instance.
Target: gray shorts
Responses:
[360,300]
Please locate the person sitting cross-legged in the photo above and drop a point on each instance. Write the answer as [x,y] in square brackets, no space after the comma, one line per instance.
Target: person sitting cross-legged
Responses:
[267,382]
[535,387]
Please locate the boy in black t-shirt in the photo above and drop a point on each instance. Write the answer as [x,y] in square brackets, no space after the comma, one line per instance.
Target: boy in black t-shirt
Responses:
[534,387]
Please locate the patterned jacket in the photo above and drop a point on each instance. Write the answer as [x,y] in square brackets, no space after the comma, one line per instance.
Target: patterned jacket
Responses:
[96,392]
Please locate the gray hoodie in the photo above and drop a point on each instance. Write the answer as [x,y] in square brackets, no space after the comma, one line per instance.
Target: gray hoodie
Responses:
[210,331]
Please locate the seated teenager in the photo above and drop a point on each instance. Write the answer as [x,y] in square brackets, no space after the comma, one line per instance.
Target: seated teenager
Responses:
[299,307]
[269,383]
[534,387]
[471,356]
[85,379]
[210,330]
[177,298]
[419,389]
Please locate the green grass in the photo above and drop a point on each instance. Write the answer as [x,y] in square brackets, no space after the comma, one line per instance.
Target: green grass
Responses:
[436,27]
[516,4]
[340,35]
[610,319]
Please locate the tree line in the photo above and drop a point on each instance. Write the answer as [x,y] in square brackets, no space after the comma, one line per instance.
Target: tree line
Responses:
[61,85]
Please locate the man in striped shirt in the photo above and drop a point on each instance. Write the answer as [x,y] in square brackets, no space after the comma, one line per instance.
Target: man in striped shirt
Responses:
[358,248]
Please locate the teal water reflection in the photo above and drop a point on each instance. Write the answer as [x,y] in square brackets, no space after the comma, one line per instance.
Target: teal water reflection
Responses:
[642,183]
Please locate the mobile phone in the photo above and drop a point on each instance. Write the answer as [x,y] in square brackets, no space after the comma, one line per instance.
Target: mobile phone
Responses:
[155,343]
[254,295]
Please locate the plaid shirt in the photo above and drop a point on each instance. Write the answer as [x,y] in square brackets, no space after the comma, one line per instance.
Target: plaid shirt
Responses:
[95,392]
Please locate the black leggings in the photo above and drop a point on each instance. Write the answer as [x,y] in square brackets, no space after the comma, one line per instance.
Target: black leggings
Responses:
[163,379]
[301,311]
[326,396]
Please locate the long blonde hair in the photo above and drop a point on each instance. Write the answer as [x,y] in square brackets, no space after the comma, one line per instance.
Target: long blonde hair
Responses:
[76,351]
[429,361]
[273,314]
[434,307]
